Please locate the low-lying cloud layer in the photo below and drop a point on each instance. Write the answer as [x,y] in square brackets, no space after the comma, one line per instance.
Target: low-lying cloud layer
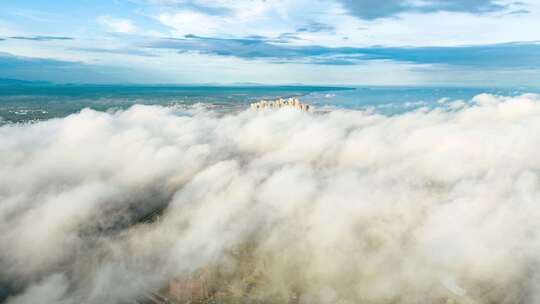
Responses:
[340,207]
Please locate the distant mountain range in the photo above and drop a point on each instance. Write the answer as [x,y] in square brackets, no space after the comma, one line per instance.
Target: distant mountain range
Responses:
[9,82]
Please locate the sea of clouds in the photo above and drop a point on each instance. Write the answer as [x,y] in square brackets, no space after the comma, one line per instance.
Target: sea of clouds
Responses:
[346,206]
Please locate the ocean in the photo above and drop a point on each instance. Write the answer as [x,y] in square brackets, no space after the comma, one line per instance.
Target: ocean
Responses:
[22,102]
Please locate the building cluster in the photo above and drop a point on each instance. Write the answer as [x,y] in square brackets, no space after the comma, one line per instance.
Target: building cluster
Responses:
[280,103]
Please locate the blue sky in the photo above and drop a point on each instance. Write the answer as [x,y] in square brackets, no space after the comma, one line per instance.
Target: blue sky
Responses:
[360,42]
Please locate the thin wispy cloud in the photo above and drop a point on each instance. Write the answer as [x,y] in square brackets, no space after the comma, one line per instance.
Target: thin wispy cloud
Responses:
[316,27]
[121,51]
[41,38]
[518,12]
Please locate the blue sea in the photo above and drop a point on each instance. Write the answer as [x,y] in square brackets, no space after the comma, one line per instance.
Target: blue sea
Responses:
[22,102]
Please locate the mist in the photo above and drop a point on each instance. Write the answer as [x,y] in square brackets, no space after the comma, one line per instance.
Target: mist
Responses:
[429,206]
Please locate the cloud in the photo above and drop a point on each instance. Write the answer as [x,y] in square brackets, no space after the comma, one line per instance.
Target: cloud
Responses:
[50,290]
[190,22]
[508,55]
[121,51]
[41,38]
[316,27]
[518,12]
[27,68]
[8,61]
[117,25]
[243,17]
[247,48]
[370,10]
[38,15]
[342,206]
[321,32]
[511,55]
[215,8]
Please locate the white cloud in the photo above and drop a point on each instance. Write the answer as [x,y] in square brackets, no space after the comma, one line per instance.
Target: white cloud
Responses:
[272,18]
[238,19]
[341,206]
[7,29]
[117,25]
[243,18]
[188,22]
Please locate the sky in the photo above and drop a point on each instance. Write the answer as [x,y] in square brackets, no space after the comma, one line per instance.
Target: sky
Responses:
[332,42]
